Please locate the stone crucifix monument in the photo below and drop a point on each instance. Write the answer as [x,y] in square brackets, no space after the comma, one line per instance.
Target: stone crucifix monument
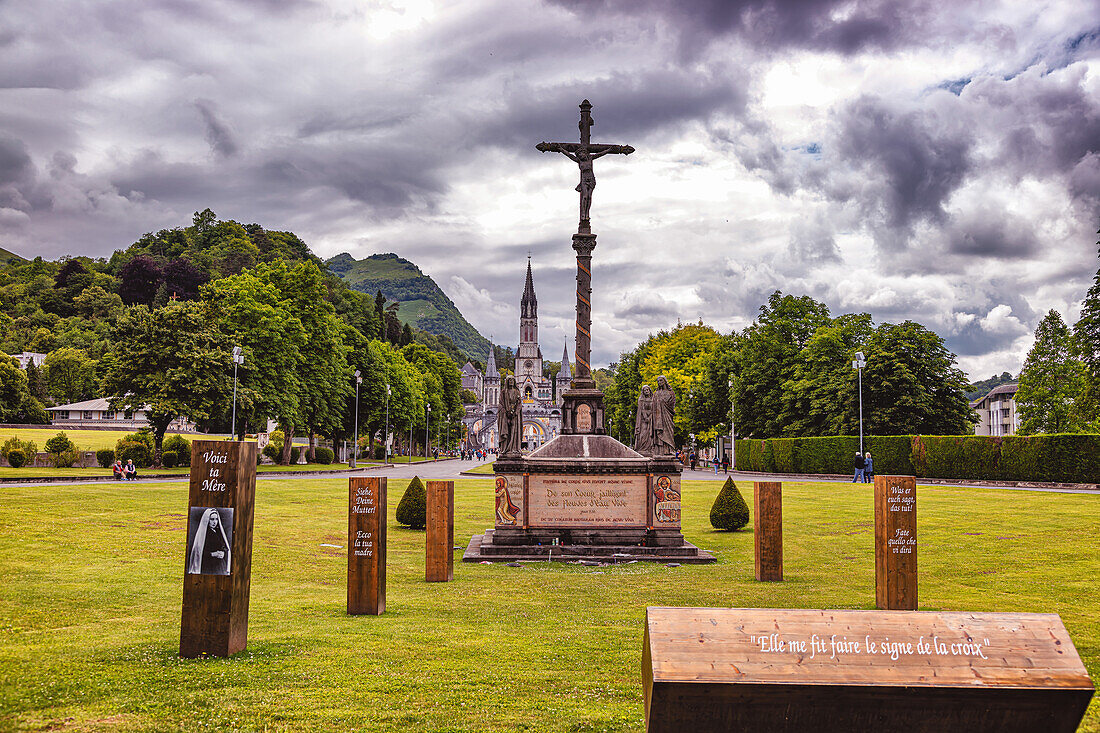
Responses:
[585,495]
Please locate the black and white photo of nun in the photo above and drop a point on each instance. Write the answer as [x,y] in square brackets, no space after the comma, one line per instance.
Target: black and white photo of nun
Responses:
[211,535]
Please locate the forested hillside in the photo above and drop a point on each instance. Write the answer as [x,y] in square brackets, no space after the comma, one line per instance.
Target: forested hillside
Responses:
[422,303]
[156,324]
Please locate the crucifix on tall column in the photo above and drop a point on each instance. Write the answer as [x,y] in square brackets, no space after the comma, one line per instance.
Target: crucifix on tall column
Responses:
[583,405]
[583,153]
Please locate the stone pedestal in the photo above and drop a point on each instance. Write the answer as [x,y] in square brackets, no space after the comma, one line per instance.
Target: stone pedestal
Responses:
[586,497]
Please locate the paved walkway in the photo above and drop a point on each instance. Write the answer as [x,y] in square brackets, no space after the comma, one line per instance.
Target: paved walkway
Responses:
[452,470]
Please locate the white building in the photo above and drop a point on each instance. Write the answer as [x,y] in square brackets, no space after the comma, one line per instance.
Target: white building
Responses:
[97,413]
[27,357]
[997,413]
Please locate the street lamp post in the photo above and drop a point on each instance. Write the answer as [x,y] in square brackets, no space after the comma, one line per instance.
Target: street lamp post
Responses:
[858,365]
[386,437]
[427,419]
[355,441]
[733,434]
[238,358]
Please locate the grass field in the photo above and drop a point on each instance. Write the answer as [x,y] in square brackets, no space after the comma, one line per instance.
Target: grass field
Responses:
[92,581]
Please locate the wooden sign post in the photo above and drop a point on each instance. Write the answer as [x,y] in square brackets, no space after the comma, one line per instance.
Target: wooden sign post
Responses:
[896,542]
[367,546]
[440,540]
[767,529]
[706,670]
[218,559]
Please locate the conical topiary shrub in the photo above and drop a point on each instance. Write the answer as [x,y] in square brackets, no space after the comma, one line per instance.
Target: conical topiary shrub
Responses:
[412,509]
[730,510]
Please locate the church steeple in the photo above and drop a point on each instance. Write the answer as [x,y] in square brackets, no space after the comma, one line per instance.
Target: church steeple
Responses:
[528,304]
[528,356]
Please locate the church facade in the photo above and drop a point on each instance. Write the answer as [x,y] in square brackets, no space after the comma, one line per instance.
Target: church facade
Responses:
[541,393]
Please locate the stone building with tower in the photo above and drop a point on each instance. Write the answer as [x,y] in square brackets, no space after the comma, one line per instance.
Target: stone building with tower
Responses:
[542,394]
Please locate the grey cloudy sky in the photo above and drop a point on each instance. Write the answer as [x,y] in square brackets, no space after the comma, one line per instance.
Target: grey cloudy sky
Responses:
[924,160]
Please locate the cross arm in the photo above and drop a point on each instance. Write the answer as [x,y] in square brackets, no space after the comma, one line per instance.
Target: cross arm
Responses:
[594,148]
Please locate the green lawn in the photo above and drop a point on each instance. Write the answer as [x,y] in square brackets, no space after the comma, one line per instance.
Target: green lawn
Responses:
[91,580]
[486,468]
[7,472]
[84,439]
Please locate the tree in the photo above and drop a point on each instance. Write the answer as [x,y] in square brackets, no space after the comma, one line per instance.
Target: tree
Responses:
[170,362]
[70,374]
[911,385]
[13,388]
[769,354]
[1086,343]
[1052,382]
[36,383]
[139,280]
[251,310]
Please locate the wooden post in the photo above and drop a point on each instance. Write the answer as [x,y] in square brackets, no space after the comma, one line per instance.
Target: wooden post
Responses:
[439,555]
[767,529]
[896,542]
[367,546]
[218,558]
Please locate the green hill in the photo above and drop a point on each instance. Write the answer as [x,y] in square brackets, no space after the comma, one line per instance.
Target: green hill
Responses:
[422,303]
[6,257]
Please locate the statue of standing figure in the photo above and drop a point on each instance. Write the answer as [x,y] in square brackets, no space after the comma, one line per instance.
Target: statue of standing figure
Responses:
[510,420]
[643,422]
[664,412]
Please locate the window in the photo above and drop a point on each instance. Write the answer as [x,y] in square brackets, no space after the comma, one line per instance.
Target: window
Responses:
[87,415]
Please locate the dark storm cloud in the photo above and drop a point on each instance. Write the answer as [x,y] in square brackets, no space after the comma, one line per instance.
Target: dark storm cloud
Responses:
[835,25]
[218,134]
[626,107]
[912,161]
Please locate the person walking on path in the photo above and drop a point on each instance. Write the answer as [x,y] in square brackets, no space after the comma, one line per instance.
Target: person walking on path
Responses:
[726,463]
[859,464]
[716,465]
[868,469]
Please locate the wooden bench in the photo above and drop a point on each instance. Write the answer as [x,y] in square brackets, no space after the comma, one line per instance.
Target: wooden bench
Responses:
[727,669]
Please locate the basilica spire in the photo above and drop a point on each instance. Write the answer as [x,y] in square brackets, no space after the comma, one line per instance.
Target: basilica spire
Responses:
[528,305]
[563,372]
[491,368]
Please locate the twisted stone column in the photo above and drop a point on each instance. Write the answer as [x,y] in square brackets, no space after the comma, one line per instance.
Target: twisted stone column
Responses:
[584,243]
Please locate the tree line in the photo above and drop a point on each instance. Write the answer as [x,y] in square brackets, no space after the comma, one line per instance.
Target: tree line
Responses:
[792,376]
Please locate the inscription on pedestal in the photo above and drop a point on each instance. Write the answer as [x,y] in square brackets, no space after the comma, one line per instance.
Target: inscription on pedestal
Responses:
[367,546]
[583,501]
[896,542]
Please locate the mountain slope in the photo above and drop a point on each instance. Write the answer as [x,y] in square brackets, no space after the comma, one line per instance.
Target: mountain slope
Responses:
[422,303]
[6,256]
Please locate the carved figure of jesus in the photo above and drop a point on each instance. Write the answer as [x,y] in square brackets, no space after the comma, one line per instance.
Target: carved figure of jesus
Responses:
[584,159]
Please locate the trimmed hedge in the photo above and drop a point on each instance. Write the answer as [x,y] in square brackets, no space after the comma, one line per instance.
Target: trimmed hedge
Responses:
[169,458]
[412,510]
[105,457]
[17,458]
[729,511]
[323,455]
[179,445]
[1064,458]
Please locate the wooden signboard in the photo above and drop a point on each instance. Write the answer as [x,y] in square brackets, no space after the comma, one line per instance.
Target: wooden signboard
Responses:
[896,542]
[367,546]
[722,669]
[218,558]
[440,540]
[767,529]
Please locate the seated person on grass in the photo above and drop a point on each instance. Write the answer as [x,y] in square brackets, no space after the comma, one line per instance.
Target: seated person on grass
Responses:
[131,470]
[117,470]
